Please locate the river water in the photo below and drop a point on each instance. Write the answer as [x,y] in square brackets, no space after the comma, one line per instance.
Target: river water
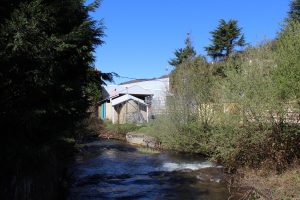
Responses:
[109,169]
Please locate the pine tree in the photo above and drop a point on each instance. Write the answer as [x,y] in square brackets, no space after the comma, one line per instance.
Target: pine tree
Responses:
[183,54]
[294,13]
[225,39]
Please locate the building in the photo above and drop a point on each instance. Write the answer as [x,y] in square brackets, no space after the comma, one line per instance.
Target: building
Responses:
[134,101]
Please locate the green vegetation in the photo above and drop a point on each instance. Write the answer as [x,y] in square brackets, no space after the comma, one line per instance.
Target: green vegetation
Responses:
[121,129]
[46,87]
[242,111]
[240,119]
[225,39]
[182,55]
[148,150]
[294,13]
[287,73]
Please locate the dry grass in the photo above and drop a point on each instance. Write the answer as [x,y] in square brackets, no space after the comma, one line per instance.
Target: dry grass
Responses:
[269,185]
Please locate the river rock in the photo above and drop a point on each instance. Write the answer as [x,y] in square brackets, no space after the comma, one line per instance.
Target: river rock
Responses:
[143,140]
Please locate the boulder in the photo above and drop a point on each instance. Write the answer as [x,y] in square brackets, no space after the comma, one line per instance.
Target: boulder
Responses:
[142,140]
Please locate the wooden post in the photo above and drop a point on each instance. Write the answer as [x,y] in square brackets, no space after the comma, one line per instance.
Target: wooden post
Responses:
[113,114]
[147,113]
[126,109]
[112,111]
[99,111]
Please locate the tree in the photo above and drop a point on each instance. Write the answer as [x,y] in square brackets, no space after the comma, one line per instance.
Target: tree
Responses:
[287,73]
[294,13]
[194,90]
[46,53]
[225,39]
[95,79]
[184,54]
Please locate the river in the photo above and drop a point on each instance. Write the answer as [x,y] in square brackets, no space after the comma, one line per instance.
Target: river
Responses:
[110,169]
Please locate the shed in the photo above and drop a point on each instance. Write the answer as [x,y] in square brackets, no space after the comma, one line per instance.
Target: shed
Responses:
[124,104]
[129,109]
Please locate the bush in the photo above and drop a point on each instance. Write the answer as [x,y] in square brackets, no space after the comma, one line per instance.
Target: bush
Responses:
[237,119]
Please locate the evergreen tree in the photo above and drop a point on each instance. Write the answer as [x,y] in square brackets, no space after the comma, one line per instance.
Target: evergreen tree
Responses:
[294,13]
[225,39]
[46,53]
[183,54]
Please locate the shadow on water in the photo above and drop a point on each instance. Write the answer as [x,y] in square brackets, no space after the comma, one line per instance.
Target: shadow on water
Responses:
[109,169]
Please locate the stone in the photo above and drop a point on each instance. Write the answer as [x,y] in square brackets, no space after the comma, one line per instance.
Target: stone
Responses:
[142,140]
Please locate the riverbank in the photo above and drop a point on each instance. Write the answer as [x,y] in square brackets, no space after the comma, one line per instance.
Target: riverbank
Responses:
[264,184]
[261,183]
[116,131]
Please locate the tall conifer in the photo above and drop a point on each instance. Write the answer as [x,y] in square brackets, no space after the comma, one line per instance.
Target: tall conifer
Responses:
[225,39]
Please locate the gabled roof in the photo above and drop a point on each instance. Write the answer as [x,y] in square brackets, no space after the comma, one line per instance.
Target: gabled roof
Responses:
[111,90]
[125,98]
[115,90]
[135,89]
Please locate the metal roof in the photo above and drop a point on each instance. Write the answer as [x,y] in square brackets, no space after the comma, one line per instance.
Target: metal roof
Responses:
[135,89]
[158,87]
[125,98]
[115,90]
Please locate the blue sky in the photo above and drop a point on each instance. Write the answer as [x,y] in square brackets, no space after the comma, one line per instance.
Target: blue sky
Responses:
[142,35]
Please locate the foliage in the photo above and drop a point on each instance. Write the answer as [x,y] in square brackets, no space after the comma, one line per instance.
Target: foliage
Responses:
[294,13]
[250,83]
[262,124]
[45,56]
[237,119]
[182,55]
[195,90]
[188,117]
[225,39]
[93,89]
[287,73]
[160,129]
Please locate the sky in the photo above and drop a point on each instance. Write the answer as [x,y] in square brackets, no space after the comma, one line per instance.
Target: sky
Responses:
[142,35]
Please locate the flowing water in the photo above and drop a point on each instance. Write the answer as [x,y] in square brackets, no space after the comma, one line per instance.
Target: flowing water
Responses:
[109,169]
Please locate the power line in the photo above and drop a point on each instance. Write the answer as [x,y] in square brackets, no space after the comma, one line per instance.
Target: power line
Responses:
[136,79]
[125,77]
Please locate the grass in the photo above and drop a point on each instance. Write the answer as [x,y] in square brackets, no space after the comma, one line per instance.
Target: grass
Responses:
[121,128]
[148,150]
[148,130]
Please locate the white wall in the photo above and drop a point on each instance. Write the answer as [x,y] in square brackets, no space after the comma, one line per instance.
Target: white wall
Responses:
[159,88]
